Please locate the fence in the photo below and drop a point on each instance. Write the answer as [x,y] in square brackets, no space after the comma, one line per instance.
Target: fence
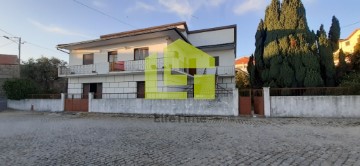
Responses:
[319,91]
[44,96]
[3,103]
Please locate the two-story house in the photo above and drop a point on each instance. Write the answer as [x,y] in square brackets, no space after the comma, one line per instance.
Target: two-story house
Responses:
[113,65]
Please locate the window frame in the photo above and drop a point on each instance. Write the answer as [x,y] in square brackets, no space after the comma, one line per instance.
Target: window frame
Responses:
[144,56]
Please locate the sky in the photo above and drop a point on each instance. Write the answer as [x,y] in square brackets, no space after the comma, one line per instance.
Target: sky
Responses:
[42,24]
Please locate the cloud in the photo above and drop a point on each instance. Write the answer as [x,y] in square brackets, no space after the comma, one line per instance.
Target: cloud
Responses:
[250,6]
[185,9]
[57,30]
[141,6]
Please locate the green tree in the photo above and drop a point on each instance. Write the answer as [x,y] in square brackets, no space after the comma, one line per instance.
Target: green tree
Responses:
[260,37]
[44,72]
[283,39]
[355,57]
[17,89]
[326,58]
[242,80]
[341,68]
[334,33]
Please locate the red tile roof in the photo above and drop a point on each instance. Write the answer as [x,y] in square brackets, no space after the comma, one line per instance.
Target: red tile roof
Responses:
[243,60]
[8,59]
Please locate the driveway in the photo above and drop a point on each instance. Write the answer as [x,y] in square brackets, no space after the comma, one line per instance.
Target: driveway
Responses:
[29,138]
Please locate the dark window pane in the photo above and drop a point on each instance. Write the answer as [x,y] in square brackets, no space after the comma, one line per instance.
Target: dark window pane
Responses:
[216,61]
[88,59]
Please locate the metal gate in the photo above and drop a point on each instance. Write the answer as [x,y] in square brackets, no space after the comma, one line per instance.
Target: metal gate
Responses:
[76,102]
[251,102]
[3,103]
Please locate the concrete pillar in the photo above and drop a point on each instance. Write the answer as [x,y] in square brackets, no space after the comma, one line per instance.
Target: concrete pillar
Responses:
[236,102]
[62,101]
[267,106]
[91,96]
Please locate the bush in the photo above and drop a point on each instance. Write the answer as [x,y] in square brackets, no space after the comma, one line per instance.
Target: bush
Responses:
[17,89]
[352,81]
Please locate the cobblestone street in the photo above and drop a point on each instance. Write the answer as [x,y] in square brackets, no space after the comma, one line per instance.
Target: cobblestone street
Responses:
[29,138]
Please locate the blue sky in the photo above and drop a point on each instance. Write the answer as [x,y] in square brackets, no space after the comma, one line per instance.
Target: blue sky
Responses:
[45,23]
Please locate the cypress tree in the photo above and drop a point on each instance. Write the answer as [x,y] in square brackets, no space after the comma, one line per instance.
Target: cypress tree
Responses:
[326,57]
[251,71]
[260,37]
[341,68]
[283,39]
[334,33]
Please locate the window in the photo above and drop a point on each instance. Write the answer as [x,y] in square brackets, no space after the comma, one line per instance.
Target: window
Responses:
[88,59]
[112,56]
[216,61]
[347,43]
[141,89]
[141,53]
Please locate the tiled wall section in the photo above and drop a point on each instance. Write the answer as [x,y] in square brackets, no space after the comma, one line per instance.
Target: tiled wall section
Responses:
[128,83]
[227,82]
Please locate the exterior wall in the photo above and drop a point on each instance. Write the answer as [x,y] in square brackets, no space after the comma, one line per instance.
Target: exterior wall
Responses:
[125,51]
[315,106]
[113,83]
[226,57]
[54,105]
[224,106]
[226,82]
[212,37]
[352,42]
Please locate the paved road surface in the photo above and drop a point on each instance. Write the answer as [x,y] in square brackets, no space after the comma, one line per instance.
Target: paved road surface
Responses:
[90,139]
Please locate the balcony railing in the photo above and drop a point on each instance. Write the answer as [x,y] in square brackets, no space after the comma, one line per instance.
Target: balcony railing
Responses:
[99,68]
[133,66]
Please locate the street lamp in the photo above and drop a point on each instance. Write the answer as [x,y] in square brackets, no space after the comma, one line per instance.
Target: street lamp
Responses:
[19,43]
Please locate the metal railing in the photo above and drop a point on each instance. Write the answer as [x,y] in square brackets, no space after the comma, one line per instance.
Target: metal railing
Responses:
[99,68]
[44,96]
[76,96]
[135,65]
[319,91]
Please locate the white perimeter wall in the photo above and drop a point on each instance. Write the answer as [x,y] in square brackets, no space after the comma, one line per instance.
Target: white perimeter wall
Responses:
[315,106]
[224,106]
[53,105]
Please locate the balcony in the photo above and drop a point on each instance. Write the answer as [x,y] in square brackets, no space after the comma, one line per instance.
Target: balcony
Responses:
[130,67]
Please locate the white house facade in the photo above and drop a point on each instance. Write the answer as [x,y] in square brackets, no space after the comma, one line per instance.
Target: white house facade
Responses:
[113,65]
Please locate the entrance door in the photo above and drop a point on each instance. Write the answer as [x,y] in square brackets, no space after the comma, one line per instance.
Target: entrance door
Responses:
[95,88]
[141,89]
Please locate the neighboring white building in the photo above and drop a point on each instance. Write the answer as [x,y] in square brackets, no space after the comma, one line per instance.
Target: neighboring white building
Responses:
[113,65]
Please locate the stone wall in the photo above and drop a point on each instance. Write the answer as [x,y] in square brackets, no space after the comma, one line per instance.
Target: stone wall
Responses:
[6,72]
[54,105]
[224,106]
[315,106]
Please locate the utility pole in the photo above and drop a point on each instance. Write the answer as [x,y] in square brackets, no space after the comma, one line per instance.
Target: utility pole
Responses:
[19,43]
[19,50]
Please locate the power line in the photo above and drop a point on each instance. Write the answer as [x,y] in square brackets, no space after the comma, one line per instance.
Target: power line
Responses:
[351,24]
[105,14]
[33,44]
[36,45]
[7,32]
[4,45]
